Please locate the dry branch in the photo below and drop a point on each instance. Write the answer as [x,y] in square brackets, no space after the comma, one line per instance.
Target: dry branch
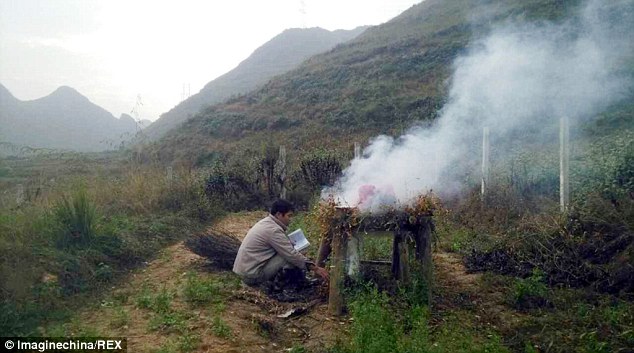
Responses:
[218,247]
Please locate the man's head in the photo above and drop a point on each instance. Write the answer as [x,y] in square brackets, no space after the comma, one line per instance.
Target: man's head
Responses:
[283,211]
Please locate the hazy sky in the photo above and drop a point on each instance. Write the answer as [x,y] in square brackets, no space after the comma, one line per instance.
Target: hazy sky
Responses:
[115,51]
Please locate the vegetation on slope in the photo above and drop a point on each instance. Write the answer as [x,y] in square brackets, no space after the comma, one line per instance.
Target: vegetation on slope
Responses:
[390,77]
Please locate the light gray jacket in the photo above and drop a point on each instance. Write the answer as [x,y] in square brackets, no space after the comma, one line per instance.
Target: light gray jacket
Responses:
[263,241]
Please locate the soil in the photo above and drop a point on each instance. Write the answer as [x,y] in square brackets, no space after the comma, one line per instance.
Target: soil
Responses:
[455,289]
[255,318]
[251,315]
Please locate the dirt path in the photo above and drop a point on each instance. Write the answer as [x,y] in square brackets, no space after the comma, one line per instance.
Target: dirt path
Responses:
[245,320]
[457,290]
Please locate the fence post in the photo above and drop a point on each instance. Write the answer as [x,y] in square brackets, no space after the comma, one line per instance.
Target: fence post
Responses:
[19,197]
[564,163]
[486,150]
[170,174]
[357,150]
[282,159]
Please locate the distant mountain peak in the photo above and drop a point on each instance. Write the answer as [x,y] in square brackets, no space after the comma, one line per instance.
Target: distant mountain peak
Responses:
[66,91]
[5,93]
[64,119]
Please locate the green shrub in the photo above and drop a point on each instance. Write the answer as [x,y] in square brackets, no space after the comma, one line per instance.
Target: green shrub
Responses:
[530,292]
[320,167]
[77,219]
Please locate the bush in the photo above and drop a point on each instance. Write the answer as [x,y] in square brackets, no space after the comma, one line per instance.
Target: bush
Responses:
[530,292]
[320,168]
[77,219]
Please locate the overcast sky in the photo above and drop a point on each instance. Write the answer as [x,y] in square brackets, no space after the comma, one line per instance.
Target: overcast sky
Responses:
[114,51]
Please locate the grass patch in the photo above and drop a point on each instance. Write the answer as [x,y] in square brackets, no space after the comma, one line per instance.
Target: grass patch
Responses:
[168,322]
[120,317]
[202,291]
[381,323]
[159,303]
[220,328]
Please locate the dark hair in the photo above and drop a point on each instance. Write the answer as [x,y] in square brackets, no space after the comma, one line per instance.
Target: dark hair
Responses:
[282,206]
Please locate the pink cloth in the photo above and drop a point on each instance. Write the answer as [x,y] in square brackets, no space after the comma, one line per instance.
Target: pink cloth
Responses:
[366,193]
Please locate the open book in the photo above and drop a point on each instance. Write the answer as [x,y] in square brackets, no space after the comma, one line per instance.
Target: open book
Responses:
[298,239]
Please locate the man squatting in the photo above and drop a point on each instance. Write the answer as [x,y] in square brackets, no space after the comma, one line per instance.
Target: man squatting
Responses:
[266,249]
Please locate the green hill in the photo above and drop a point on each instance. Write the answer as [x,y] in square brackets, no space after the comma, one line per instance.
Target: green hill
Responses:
[385,80]
[282,53]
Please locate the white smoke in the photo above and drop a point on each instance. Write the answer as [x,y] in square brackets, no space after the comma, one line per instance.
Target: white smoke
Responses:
[519,77]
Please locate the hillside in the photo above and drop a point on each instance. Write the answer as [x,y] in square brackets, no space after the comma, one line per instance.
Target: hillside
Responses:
[65,120]
[383,81]
[282,53]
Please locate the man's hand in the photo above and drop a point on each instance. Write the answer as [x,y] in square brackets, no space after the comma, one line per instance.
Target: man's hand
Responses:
[321,272]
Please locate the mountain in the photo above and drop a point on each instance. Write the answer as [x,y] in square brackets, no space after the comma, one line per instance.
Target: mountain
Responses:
[382,82]
[64,119]
[282,53]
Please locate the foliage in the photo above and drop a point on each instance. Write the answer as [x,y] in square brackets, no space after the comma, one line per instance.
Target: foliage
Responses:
[81,233]
[77,218]
[201,292]
[384,324]
[320,168]
[234,186]
[530,292]
[220,328]
[607,167]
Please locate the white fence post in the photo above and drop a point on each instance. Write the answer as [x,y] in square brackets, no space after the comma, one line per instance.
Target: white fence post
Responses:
[19,197]
[169,172]
[486,151]
[282,160]
[564,163]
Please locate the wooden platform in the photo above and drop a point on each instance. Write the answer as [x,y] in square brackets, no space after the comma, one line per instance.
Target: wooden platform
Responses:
[411,236]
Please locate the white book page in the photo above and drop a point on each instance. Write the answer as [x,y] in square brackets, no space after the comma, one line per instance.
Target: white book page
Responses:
[298,239]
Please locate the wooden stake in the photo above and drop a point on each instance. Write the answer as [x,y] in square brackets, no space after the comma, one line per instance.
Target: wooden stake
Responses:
[337,271]
[353,256]
[403,269]
[423,254]
[564,163]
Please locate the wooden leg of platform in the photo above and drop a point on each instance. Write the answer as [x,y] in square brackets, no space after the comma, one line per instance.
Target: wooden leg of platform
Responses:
[337,274]
[353,256]
[403,269]
[325,247]
[423,253]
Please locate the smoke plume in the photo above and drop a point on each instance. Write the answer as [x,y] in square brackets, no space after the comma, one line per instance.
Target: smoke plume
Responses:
[521,77]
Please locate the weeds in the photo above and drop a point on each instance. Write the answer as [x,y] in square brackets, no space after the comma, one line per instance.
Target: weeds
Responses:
[188,342]
[168,322]
[200,292]
[120,317]
[220,328]
[77,217]
[530,292]
[83,233]
[382,324]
